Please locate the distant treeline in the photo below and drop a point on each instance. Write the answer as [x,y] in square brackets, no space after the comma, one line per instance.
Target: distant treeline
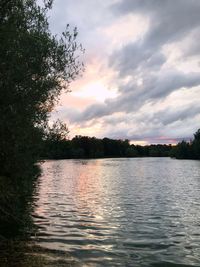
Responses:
[57,146]
[187,150]
[91,147]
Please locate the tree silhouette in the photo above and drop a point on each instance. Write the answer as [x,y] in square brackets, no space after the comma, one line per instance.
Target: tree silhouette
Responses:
[35,66]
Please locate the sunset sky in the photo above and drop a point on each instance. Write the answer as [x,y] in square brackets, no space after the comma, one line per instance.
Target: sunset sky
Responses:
[142,77]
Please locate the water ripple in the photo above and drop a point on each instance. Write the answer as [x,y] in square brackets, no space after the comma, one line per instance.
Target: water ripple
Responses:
[119,212]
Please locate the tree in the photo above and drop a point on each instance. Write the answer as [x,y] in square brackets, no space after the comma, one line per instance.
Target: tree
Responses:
[35,66]
[196,145]
[57,132]
[56,143]
[182,151]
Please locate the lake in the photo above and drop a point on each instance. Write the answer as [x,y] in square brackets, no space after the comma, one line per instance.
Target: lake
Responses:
[119,212]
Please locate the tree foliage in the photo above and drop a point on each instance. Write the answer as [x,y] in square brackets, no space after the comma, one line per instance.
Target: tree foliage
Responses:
[188,150]
[34,67]
[57,132]
[91,147]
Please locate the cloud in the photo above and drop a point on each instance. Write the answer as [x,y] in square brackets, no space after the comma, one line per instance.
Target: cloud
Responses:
[147,51]
[181,114]
[170,21]
[135,57]
[133,97]
[161,126]
[190,47]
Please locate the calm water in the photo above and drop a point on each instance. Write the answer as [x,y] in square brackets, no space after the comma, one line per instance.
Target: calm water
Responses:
[119,212]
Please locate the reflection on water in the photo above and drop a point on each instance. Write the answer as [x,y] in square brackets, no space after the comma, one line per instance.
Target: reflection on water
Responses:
[107,212]
[16,223]
[119,212]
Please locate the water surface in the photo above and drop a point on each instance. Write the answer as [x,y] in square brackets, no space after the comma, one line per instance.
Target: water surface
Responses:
[119,212]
